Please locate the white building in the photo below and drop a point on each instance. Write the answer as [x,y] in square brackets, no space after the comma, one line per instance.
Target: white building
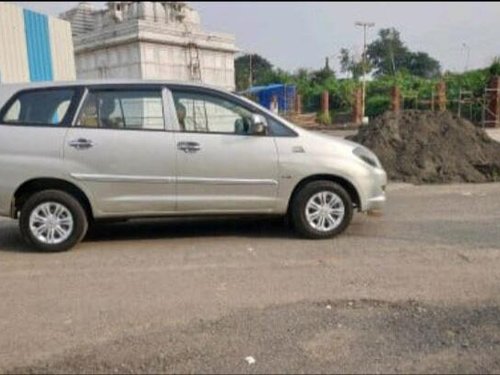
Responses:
[34,46]
[149,40]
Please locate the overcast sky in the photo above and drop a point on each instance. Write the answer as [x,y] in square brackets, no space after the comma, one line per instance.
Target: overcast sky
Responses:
[302,34]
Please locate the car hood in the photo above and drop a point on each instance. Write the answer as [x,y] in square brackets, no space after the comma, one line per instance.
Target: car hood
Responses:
[329,143]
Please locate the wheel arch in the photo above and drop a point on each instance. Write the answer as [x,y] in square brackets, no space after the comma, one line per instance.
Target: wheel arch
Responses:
[30,187]
[345,183]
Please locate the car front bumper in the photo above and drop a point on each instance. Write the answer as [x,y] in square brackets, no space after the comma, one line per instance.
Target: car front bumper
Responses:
[375,186]
[376,203]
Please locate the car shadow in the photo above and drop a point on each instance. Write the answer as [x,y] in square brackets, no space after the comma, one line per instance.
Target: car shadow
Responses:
[11,240]
[189,227]
[166,228]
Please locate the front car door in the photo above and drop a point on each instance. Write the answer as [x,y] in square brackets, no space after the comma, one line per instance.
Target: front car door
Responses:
[119,150]
[221,168]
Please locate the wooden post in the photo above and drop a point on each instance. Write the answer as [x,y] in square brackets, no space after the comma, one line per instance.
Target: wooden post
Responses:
[298,104]
[325,102]
[493,105]
[441,96]
[357,111]
[395,99]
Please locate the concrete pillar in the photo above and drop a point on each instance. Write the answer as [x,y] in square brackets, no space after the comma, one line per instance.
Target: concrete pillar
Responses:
[325,102]
[395,99]
[357,110]
[493,110]
[441,96]
[298,104]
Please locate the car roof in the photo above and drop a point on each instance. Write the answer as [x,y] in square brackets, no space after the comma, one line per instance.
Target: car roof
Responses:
[106,82]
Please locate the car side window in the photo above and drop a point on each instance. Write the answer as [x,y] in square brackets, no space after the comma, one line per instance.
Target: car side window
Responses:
[277,129]
[39,107]
[123,109]
[202,112]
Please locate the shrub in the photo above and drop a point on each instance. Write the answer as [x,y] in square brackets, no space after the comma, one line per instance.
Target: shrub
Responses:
[376,105]
[324,118]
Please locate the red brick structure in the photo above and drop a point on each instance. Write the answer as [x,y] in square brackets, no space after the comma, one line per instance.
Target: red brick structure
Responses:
[441,96]
[395,99]
[298,104]
[357,110]
[325,102]
[492,118]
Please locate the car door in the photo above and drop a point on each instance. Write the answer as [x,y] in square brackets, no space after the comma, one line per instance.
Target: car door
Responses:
[120,151]
[221,168]
[33,124]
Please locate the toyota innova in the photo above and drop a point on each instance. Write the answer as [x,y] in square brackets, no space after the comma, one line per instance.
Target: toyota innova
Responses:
[72,154]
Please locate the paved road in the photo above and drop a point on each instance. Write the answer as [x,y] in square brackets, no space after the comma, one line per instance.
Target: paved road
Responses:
[417,289]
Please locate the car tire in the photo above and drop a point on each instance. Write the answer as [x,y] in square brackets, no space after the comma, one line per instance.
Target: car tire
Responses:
[321,210]
[53,221]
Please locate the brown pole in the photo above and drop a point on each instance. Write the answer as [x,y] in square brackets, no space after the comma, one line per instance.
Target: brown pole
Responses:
[493,111]
[357,115]
[441,96]
[298,104]
[325,105]
[395,99]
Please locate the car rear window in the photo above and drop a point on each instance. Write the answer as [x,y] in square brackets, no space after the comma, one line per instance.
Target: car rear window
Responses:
[38,107]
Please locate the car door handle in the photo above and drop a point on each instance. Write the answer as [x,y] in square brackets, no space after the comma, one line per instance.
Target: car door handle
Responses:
[189,147]
[81,143]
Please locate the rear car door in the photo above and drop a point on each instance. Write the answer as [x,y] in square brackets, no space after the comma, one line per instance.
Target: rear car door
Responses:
[119,149]
[33,124]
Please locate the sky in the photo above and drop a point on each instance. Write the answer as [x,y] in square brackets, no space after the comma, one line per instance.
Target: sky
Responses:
[292,35]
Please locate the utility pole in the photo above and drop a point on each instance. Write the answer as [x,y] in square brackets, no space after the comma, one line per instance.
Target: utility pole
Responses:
[467,48]
[250,71]
[364,25]
[391,49]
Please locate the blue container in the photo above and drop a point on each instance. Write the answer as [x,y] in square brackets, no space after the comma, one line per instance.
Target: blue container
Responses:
[285,95]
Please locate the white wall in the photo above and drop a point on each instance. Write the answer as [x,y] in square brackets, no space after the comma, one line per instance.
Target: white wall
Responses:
[143,60]
[118,62]
[13,52]
[14,67]
[61,46]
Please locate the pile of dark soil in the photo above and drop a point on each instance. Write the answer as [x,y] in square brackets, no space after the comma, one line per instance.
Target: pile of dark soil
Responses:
[426,147]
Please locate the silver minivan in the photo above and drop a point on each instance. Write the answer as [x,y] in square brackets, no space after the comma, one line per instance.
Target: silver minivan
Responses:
[72,154]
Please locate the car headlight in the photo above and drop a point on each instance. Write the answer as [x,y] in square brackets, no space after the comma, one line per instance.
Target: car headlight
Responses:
[367,156]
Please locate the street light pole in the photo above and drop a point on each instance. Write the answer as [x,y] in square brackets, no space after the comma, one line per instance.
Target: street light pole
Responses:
[250,72]
[364,25]
[466,46]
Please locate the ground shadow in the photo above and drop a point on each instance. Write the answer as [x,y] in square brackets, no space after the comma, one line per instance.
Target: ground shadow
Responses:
[189,227]
[166,228]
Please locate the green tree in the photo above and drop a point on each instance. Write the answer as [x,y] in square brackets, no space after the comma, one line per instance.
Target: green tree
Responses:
[275,75]
[494,68]
[421,64]
[388,54]
[348,64]
[261,69]
[323,75]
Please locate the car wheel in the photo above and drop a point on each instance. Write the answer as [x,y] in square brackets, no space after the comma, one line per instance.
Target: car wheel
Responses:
[321,209]
[53,220]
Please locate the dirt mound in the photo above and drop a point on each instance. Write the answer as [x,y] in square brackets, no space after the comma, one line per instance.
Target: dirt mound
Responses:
[425,147]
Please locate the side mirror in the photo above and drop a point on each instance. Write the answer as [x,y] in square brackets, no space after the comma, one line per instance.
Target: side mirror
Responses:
[258,125]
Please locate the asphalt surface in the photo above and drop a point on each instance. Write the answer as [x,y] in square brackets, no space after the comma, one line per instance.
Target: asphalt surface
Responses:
[414,290]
